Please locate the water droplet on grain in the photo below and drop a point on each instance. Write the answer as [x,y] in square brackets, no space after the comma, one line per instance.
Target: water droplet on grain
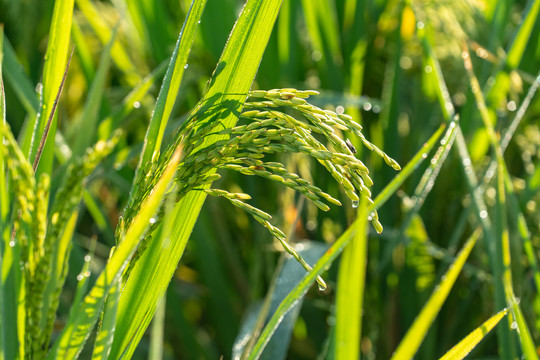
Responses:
[420,25]
[12,243]
[355,203]
[424,155]
[514,325]
[87,258]
[428,69]
[367,106]
[321,287]
[186,66]
[152,221]
[136,104]
[483,214]
[80,277]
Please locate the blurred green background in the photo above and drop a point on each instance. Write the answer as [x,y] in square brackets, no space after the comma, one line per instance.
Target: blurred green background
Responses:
[372,59]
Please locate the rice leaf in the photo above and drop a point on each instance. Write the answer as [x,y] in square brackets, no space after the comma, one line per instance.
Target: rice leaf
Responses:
[464,347]
[107,324]
[6,332]
[350,293]
[226,91]
[21,84]
[72,339]
[418,330]
[53,73]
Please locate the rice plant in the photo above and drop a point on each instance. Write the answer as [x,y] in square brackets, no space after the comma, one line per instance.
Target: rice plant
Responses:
[120,120]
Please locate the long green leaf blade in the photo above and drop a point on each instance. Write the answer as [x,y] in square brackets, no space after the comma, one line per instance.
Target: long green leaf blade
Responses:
[227,92]
[72,339]
[464,347]
[350,293]
[53,72]
[416,333]
[169,89]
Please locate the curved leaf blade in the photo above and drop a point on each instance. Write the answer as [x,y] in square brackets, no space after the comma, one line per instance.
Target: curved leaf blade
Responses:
[465,346]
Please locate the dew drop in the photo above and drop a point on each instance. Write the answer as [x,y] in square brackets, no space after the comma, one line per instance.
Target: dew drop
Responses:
[321,287]
[87,258]
[316,56]
[482,53]
[80,277]
[12,243]
[424,155]
[376,109]
[419,25]
[511,106]
[136,104]
[514,325]
[186,66]
[198,22]
[483,214]
[355,203]
[428,69]
[152,221]
[367,106]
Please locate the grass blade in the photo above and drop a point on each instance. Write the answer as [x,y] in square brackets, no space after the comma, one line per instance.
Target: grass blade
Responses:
[4,211]
[503,258]
[169,88]
[416,333]
[515,54]
[350,293]
[157,332]
[105,334]
[302,287]
[72,339]
[227,92]
[53,72]
[464,347]
[21,84]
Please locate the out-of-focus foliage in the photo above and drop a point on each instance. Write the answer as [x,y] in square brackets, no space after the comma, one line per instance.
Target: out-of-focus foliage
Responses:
[400,69]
